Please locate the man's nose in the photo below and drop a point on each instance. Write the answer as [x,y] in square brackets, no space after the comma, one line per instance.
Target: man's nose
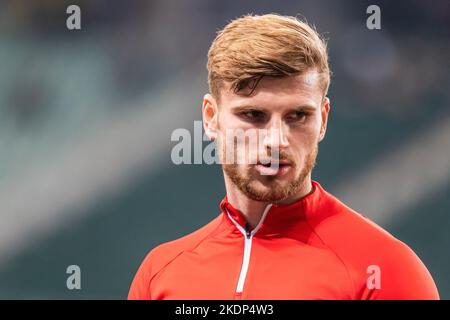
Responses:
[276,135]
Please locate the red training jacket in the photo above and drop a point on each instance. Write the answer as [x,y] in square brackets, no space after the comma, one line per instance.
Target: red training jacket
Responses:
[315,248]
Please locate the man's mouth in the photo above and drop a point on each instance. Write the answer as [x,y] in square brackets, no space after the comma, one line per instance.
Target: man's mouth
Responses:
[273,167]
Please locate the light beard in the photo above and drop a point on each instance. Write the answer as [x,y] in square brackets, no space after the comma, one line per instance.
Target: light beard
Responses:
[275,191]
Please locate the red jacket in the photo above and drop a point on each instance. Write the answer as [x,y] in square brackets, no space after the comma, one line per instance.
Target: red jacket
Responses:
[315,248]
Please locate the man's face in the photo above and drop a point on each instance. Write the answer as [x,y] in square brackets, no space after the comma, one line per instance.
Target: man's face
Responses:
[289,118]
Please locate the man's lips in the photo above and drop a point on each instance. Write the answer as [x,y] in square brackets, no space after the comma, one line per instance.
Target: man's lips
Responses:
[272,168]
[269,162]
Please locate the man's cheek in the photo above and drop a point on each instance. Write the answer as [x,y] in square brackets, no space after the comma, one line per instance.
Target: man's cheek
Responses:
[301,154]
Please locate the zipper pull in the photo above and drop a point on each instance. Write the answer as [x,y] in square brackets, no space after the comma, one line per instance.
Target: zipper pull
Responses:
[247,231]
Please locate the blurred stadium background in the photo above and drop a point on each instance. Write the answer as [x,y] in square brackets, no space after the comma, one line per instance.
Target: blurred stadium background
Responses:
[86,117]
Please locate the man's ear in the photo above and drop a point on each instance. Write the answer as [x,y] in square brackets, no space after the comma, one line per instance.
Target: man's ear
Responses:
[210,114]
[324,113]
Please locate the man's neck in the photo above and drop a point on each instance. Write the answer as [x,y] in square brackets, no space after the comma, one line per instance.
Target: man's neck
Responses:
[252,209]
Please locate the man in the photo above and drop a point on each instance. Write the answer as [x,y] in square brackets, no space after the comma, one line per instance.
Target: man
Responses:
[279,235]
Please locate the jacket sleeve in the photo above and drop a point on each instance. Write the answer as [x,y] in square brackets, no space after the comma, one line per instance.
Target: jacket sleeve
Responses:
[403,276]
[140,287]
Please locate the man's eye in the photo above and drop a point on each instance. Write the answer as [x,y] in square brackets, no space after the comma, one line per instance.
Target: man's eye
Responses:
[253,115]
[298,116]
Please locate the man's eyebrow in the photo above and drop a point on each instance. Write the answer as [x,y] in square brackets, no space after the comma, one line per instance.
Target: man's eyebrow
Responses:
[247,107]
[299,108]
[305,107]
[254,107]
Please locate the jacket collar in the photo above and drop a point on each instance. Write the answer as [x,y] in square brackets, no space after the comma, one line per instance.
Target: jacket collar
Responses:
[279,218]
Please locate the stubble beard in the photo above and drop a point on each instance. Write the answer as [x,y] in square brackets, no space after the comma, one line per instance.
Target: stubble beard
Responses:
[273,190]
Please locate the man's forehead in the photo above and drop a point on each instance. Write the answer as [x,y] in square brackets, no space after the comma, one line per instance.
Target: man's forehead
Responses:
[307,80]
[305,86]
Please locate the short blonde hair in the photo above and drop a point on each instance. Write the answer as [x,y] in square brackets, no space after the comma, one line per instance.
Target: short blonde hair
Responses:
[254,46]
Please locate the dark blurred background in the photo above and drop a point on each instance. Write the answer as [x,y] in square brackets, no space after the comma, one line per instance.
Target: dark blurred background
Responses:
[86,117]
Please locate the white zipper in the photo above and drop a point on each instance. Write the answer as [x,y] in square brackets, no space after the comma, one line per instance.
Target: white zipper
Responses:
[247,247]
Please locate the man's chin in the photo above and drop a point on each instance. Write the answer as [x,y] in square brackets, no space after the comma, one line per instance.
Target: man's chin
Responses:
[266,197]
[264,188]
[267,193]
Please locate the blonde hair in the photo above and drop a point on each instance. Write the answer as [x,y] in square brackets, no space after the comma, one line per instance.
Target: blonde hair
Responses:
[254,46]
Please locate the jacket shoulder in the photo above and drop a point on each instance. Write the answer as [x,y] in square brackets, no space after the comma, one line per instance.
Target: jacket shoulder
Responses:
[164,254]
[381,266]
